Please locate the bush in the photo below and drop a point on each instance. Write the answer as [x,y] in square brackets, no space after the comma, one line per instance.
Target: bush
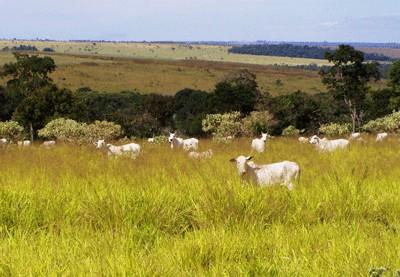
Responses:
[11,130]
[222,125]
[64,130]
[48,49]
[335,129]
[70,130]
[389,123]
[103,130]
[290,131]
[257,122]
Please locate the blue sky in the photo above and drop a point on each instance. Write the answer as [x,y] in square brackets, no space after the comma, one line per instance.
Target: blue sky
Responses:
[290,20]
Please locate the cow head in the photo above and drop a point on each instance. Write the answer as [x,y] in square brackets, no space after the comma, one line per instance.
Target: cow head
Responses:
[241,163]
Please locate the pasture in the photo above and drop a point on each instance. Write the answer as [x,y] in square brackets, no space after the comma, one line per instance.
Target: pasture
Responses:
[159,51]
[167,76]
[72,210]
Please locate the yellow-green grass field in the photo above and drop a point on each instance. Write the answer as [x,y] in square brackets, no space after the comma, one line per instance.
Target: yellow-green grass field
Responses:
[163,51]
[73,211]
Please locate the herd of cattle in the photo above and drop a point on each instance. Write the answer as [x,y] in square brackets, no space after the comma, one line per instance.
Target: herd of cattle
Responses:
[283,173]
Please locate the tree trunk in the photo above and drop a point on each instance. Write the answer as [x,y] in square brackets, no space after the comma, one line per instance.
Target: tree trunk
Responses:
[353,119]
[31,131]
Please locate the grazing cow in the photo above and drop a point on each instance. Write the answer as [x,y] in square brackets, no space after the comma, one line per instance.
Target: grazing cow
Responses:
[49,143]
[303,140]
[186,144]
[381,137]
[24,143]
[201,155]
[151,140]
[355,136]
[258,144]
[329,145]
[132,149]
[283,173]
[3,141]
[100,143]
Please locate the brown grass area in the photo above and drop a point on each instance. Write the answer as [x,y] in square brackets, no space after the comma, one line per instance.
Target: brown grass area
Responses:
[390,52]
[116,74]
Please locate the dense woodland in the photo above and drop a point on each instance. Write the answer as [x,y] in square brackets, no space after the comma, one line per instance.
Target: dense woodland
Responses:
[31,98]
[295,51]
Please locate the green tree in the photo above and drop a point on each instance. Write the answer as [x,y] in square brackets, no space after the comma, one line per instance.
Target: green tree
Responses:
[394,75]
[42,105]
[28,73]
[348,79]
[191,106]
[238,91]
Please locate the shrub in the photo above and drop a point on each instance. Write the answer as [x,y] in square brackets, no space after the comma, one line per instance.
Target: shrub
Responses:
[335,129]
[48,49]
[11,130]
[290,131]
[222,125]
[160,139]
[103,130]
[64,129]
[389,123]
[257,122]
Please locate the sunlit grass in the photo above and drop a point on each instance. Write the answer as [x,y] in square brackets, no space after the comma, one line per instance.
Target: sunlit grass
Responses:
[74,211]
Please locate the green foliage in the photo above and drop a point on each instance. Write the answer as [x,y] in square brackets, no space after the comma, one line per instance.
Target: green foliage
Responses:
[222,125]
[394,75]
[257,122]
[335,129]
[238,91]
[142,125]
[290,131]
[11,130]
[29,72]
[64,130]
[103,130]
[381,102]
[389,123]
[160,139]
[297,109]
[43,105]
[70,130]
[190,108]
[296,51]
[348,79]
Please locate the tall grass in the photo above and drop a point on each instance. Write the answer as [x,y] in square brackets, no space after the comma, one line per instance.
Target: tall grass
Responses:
[74,211]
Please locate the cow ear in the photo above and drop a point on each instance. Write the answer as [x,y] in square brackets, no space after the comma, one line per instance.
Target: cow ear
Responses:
[249,158]
[232,160]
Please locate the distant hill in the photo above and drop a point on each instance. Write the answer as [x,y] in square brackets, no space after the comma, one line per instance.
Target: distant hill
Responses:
[295,51]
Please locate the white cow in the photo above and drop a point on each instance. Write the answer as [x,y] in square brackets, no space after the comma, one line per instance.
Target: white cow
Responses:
[186,144]
[151,140]
[282,173]
[355,136]
[381,137]
[24,143]
[303,140]
[132,149]
[329,145]
[258,144]
[100,143]
[49,143]
[201,155]
[3,141]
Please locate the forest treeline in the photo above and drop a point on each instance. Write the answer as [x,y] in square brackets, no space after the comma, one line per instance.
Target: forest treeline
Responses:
[295,51]
[31,98]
